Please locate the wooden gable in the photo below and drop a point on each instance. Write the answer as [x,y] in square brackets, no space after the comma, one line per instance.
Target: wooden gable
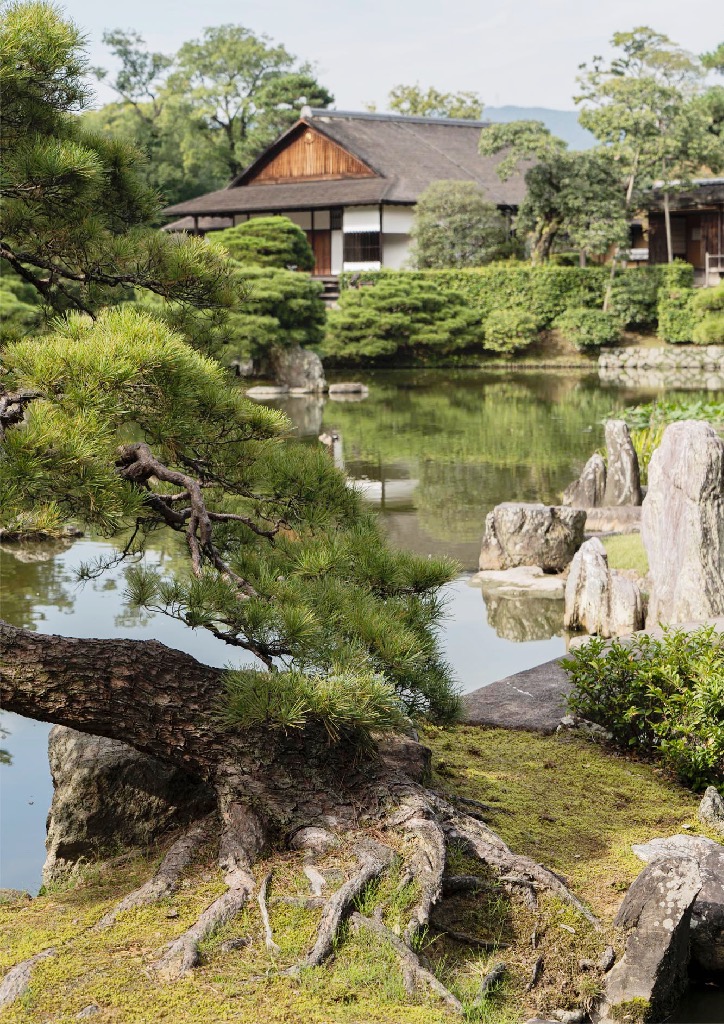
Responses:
[308,156]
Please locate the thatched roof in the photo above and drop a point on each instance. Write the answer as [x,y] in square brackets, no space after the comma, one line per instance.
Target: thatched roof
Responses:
[407,154]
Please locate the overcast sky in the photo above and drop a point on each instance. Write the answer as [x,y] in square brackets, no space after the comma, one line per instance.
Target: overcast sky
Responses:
[524,53]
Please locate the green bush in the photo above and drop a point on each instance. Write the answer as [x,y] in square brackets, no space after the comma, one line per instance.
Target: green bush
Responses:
[708,303]
[268,242]
[589,328]
[508,330]
[634,296]
[676,315]
[21,310]
[663,697]
[402,316]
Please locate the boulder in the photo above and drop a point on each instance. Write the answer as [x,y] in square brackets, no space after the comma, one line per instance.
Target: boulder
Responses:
[599,600]
[349,387]
[522,582]
[707,919]
[656,914]
[523,619]
[521,534]
[108,796]
[623,482]
[711,810]
[297,368]
[618,519]
[682,525]
[262,391]
[589,489]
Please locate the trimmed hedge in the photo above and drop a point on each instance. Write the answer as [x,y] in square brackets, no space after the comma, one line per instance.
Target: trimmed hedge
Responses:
[589,328]
[511,302]
[677,317]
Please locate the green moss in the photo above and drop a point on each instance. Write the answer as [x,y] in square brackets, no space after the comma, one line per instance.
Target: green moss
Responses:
[569,804]
[627,551]
[633,1011]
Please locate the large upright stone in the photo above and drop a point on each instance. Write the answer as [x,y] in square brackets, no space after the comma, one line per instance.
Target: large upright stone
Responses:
[623,481]
[108,796]
[599,600]
[522,534]
[682,525]
[589,489]
[297,368]
[656,913]
[707,919]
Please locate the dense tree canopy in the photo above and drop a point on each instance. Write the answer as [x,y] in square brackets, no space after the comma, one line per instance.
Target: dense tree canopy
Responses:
[456,226]
[419,102]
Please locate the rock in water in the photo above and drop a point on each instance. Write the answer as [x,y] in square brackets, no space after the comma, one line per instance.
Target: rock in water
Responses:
[589,489]
[599,600]
[682,525]
[623,482]
[707,919]
[711,810]
[297,368]
[656,913]
[521,534]
[108,797]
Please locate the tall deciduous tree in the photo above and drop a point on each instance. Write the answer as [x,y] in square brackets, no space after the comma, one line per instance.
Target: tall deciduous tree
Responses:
[572,197]
[641,106]
[236,92]
[455,226]
[419,102]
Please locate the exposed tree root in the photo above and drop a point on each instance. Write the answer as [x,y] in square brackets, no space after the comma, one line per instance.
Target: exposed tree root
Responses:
[425,866]
[261,899]
[413,971]
[453,884]
[235,857]
[491,979]
[16,981]
[465,939]
[374,859]
[166,879]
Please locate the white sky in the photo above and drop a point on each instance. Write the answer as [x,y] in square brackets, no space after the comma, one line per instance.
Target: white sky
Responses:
[524,53]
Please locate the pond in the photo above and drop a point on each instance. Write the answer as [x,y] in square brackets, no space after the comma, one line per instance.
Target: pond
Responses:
[434,451]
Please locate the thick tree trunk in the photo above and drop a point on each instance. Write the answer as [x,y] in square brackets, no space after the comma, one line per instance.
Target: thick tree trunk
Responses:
[291,790]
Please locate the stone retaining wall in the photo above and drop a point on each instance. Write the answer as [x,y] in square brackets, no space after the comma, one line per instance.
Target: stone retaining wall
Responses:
[681,366]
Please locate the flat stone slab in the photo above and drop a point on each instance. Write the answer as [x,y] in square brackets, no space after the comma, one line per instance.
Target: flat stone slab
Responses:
[614,519]
[523,580]
[534,700]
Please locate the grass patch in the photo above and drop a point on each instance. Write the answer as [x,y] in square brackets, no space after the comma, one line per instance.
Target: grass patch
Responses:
[570,804]
[626,551]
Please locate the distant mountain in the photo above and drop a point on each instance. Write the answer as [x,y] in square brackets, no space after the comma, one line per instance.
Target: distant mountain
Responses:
[563,123]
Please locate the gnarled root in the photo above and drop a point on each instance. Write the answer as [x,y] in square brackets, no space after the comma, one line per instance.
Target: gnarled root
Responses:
[426,865]
[166,879]
[374,859]
[240,843]
[412,970]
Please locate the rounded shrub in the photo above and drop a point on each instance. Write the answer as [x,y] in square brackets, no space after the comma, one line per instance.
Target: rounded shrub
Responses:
[268,242]
[708,304]
[589,328]
[509,330]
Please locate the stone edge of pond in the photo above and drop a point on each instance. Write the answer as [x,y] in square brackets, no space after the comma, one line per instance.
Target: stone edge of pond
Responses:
[536,699]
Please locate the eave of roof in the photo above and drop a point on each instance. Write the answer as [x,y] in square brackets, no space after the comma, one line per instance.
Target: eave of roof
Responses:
[302,195]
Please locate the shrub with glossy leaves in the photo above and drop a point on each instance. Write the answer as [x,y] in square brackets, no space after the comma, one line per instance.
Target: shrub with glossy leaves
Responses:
[663,697]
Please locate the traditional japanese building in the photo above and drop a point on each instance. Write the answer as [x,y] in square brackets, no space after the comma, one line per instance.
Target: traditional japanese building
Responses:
[697,228]
[351,181]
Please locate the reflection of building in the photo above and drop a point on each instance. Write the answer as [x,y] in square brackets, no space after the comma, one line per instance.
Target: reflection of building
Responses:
[350,181]
[697,228]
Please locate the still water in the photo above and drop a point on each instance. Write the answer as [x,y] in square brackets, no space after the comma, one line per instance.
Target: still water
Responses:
[434,451]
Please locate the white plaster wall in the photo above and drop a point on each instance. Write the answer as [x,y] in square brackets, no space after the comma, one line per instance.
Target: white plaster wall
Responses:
[337,251]
[240,218]
[361,218]
[302,218]
[321,220]
[395,251]
[397,220]
[362,266]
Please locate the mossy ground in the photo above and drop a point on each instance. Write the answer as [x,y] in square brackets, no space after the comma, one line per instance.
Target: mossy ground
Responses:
[567,802]
[626,551]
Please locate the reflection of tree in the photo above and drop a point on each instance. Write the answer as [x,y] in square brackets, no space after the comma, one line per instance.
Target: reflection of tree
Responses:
[523,617]
[474,440]
[28,583]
